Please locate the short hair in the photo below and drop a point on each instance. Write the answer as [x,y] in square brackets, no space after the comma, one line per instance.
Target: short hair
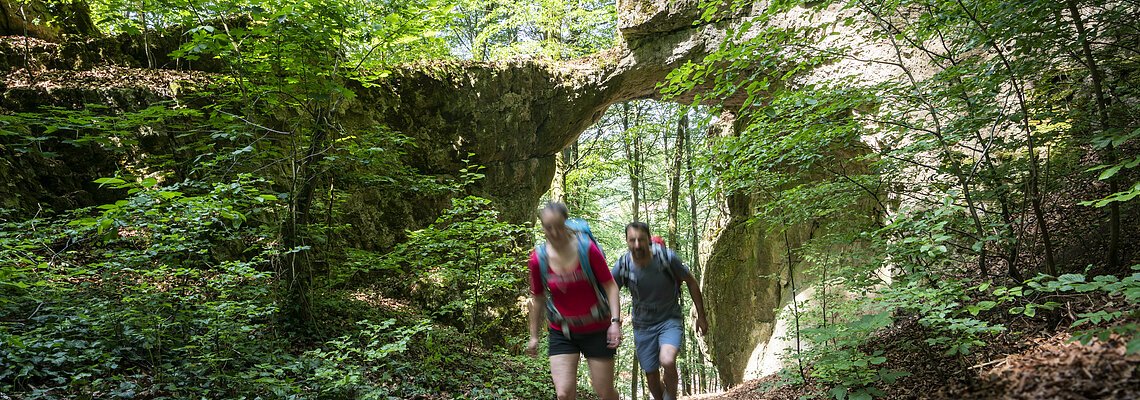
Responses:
[641,226]
[556,207]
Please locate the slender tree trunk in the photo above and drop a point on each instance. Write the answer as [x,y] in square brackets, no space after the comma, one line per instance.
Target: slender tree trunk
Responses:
[639,167]
[948,155]
[1034,182]
[296,270]
[631,144]
[699,379]
[635,374]
[146,35]
[558,190]
[687,369]
[628,143]
[1103,121]
[570,158]
[675,181]
[995,178]
[673,236]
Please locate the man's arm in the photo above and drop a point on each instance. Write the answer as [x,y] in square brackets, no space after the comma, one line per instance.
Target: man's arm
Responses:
[702,325]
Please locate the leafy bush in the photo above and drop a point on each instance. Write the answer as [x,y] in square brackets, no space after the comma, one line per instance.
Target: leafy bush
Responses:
[385,360]
[465,267]
[838,358]
[1117,316]
[169,294]
[135,299]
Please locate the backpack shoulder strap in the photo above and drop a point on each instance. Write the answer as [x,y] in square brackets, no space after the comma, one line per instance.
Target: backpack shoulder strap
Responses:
[552,313]
[543,266]
[622,268]
[584,259]
[665,257]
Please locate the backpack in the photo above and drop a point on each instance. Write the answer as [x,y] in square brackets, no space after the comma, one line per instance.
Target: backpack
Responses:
[660,254]
[585,237]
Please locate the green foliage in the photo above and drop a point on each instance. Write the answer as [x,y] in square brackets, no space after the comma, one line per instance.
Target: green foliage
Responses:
[97,128]
[1117,316]
[464,267]
[164,291]
[184,286]
[992,109]
[168,293]
[545,29]
[949,310]
[386,360]
[1108,171]
[837,357]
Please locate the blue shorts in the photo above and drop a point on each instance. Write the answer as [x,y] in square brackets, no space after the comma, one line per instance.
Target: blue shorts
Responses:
[649,339]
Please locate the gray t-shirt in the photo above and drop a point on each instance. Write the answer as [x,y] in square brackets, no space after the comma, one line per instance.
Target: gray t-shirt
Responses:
[656,294]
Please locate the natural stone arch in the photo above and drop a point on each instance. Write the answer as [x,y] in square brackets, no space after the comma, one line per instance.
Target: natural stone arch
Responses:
[514,116]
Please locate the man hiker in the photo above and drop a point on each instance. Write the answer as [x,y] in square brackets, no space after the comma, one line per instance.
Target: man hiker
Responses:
[653,275]
[571,284]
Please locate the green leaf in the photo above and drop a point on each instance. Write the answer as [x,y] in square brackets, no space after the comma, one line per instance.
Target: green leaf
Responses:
[109,181]
[840,392]
[1133,345]
[1108,173]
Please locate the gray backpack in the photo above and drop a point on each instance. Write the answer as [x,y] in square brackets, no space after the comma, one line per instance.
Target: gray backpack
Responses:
[661,255]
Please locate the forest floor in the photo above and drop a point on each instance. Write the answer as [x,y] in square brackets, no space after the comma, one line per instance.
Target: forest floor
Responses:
[1037,365]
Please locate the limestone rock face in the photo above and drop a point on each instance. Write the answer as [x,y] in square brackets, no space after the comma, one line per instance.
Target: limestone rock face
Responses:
[742,291]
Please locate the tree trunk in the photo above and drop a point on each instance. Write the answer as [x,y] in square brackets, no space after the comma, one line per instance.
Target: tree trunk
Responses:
[1034,184]
[632,154]
[675,181]
[558,188]
[686,366]
[296,269]
[694,252]
[633,372]
[1102,121]
[573,194]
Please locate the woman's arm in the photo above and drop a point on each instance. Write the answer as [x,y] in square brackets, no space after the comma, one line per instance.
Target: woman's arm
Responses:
[536,316]
[613,334]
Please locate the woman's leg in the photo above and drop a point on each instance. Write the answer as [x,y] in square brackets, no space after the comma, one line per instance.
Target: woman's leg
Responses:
[602,377]
[564,370]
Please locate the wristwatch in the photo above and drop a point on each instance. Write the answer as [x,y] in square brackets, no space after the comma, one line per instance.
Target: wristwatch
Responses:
[615,320]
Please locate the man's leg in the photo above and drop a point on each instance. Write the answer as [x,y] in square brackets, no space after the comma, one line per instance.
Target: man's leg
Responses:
[669,364]
[602,377]
[670,339]
[564,370]
[653,380]
[648,356]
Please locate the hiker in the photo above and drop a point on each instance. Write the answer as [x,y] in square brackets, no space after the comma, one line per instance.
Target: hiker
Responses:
[653,274]
[570,282]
